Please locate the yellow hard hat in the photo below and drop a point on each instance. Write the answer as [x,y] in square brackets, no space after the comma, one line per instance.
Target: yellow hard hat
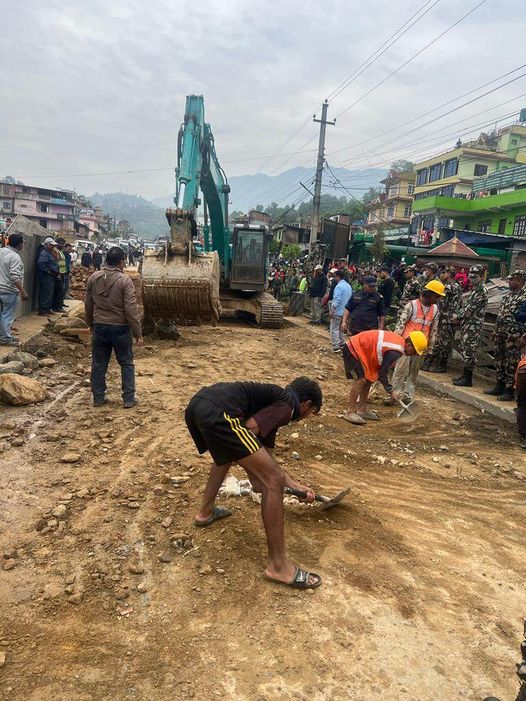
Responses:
[419,341]
[436,287]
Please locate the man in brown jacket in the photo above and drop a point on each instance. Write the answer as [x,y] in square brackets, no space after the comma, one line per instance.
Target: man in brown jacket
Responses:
[113,316]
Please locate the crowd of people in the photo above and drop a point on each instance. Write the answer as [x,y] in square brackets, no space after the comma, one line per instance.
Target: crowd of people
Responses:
[439,300]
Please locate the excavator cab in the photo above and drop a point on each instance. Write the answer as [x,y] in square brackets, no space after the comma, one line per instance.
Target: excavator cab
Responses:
[249,256]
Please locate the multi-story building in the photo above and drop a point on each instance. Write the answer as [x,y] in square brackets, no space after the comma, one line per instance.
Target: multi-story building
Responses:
[451,175]
[50,208]
[392,209]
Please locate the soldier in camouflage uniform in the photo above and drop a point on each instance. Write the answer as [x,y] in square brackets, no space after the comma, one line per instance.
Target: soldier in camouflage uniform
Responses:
[506,336]
[449,306]
[471,318]
[412,289]
[430,273]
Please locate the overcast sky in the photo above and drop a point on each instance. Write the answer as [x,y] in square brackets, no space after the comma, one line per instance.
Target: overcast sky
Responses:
[97,86]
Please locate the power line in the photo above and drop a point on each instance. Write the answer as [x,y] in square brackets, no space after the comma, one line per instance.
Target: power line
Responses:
[405,63]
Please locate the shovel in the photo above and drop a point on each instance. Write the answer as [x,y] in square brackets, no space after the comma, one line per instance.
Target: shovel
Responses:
[409,412]
[326,502]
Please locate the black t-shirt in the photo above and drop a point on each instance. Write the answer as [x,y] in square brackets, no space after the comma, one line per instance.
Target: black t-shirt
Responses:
[386,289]
[269,405]
[365,309]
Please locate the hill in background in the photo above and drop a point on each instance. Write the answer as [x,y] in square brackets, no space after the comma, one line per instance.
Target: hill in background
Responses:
[247,191]
[144,217]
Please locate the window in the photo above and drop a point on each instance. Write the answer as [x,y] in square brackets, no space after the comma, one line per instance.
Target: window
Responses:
[484,226]
[43,222]
[502,226]
[421,177]
[407,210]
[519,228]
[435,172]
[44,208]
[410,189]
[448,191]
[443,223]
[390,212]
[480,170]
[450,167]
[6,205]
[394,191]
[514,142]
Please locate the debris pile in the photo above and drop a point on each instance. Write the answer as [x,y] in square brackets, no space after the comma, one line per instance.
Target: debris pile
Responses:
[78,278]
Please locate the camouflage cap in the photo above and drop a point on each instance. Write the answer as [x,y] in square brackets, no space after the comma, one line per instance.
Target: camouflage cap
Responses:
[432,266]
[450,269]
[476,270]
[413,268]
[521,274]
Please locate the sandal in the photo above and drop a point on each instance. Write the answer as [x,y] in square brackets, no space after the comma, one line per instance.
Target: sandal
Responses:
[370,415]
[355,419]
[219,512]
[299,581]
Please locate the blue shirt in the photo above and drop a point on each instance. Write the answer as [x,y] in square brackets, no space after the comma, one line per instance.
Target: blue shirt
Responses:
[342,295]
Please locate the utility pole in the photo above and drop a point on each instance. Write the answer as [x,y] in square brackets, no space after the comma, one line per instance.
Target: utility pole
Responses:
[319,172]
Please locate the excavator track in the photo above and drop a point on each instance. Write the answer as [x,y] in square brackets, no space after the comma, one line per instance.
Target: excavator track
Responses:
[270,311]
[259,308]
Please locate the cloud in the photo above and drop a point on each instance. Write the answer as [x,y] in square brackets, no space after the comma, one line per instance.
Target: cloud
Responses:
[99,86]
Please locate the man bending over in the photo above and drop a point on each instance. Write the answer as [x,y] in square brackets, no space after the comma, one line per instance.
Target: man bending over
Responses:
[237,422]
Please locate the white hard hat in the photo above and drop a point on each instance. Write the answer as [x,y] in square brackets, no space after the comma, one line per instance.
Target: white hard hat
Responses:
[50,240]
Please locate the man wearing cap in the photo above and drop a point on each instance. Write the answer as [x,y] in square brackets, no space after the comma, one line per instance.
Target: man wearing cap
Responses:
[59,289]
[368,357]
[365,310]
[449,306]
[412,287]
[506,336]
[430,273]
[316,292]
[471,318]
[11,287]
[341,296]
[47,271]
[418,315]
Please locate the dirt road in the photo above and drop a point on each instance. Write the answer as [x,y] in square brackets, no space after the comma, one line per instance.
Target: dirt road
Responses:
[117,596]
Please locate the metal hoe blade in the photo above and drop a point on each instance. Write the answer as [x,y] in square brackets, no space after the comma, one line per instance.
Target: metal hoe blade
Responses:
[409,412]
[335,500]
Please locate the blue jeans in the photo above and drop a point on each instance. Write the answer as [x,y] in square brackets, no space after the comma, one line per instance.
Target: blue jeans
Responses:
[108,338]
[46,288]
[8,305]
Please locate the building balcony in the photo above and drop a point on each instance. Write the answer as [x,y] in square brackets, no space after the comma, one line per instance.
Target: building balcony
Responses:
[453,206]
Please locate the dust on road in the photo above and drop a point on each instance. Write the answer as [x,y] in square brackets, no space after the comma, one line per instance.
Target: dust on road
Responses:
[117,596]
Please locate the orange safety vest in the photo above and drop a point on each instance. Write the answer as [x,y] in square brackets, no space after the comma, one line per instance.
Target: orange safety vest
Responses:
[369,347]
[420,320]
[522,363]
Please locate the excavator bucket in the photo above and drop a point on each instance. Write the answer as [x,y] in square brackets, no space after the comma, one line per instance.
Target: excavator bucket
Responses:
[180,288]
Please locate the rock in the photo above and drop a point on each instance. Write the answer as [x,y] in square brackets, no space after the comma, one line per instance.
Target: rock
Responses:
[294,436]
[295,455]
[9,554]
[70,458]
[158,490]
[75,599]
[142,588]
[68,322]
[205,569]
[9,564]
[15,366]
[179,479]
[435,459]
[8,425]
[47,362]
[166,522]
[17,442]
[69,589]
[133,505]
[18,390]
[27,360]
[318,457]
[70,578]
[165,557]
[518,475]
[135,568]
[122,594]
[60,511]
[2,659]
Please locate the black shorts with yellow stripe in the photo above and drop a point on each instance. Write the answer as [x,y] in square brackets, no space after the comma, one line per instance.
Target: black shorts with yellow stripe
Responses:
[212,429]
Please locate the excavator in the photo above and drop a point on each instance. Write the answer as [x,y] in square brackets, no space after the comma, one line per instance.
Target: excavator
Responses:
[182,284]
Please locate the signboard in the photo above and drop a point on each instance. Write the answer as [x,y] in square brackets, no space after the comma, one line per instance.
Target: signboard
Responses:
[508,177]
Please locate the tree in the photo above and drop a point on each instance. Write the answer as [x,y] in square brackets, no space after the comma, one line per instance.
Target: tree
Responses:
[401,166]
[273,246]
[291,251]
[372,193]
[378,249]
[259,208]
